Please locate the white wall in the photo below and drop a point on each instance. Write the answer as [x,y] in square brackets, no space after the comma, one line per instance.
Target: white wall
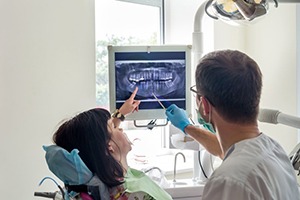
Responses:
[228,36]
[298,60]
[47,64]
[180,17]
[272,43]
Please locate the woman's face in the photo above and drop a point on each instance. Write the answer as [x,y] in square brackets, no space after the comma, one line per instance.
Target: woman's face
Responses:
[120,141]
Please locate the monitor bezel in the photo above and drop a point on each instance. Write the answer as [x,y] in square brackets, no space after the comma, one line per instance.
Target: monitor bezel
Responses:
[149,114]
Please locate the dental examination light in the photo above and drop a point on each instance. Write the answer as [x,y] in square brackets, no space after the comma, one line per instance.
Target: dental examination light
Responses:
[275,117]
[237,9]
[240,10]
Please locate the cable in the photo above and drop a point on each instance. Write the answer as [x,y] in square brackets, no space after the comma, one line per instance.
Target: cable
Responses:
[59,187]
[41,182]
[201,164]
[199,160]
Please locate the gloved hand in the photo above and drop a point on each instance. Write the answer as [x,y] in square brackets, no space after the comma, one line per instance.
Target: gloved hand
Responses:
[177,116]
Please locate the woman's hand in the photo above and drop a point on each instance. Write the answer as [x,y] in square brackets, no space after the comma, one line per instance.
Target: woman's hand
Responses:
[130,105]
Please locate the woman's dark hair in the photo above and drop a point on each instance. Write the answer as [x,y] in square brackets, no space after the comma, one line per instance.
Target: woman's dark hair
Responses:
[232,82]
[88,132]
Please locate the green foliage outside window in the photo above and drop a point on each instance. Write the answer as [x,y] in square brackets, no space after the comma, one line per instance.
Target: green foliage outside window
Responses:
[102,89]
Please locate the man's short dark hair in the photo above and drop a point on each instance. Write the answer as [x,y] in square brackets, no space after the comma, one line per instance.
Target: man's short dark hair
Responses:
[232,82]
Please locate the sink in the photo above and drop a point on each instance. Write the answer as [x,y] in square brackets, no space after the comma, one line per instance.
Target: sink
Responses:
[185,188]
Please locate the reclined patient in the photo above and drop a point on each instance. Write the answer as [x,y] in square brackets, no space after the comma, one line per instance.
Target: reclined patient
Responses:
[103,148]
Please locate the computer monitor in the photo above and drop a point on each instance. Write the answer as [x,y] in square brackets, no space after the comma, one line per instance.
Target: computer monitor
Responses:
[163,70]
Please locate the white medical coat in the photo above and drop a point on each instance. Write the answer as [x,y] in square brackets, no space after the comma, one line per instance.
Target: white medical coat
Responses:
[253,169]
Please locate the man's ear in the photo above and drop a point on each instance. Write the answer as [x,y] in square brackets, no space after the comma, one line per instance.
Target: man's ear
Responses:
[206,105]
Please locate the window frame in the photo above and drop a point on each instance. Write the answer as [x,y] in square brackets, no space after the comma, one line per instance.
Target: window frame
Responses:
[156,3]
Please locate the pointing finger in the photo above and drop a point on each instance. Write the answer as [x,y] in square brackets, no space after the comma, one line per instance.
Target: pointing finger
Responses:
[133,93]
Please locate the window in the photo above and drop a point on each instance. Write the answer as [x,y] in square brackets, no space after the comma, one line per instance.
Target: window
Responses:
[123,23]
[131,22]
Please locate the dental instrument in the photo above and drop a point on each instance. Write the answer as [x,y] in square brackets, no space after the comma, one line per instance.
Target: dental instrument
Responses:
[159,101]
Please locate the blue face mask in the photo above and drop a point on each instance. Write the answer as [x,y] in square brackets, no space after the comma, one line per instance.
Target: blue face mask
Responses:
[207,125]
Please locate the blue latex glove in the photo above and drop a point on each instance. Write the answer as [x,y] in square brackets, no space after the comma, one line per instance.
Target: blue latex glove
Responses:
[177,116]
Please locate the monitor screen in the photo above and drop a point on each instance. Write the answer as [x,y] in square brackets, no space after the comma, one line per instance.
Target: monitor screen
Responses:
[161,71]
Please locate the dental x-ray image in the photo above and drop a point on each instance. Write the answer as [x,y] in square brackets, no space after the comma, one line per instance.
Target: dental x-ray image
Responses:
[162,74]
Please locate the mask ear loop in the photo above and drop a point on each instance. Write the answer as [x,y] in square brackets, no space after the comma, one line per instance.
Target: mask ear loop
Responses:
[209,114]
[210,110]
[200,101]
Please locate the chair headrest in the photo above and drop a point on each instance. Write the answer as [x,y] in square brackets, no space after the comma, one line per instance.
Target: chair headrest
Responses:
[67,166]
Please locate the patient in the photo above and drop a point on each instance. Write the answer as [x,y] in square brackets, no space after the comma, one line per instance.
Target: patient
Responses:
[103,147]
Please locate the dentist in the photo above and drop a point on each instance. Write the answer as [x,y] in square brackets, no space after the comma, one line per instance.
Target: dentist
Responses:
[228,88]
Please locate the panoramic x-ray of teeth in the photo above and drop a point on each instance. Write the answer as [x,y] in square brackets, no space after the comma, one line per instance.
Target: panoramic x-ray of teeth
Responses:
[164,78]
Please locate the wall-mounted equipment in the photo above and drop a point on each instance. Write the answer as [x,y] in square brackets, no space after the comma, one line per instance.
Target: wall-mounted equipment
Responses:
[162,70]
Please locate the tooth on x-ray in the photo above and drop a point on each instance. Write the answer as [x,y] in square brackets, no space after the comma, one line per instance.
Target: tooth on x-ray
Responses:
[162,78]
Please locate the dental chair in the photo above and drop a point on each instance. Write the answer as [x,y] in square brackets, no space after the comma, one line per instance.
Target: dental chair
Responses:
[295,158]
[79,181]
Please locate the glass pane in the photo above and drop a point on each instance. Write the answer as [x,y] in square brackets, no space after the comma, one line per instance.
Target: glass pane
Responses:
[121,23]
